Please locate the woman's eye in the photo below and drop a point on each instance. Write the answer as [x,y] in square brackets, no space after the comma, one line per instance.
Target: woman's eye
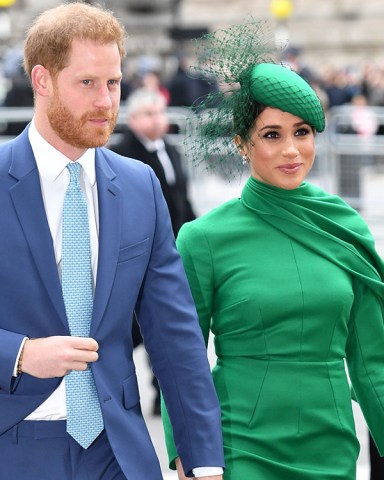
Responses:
[303,131]
[273,135]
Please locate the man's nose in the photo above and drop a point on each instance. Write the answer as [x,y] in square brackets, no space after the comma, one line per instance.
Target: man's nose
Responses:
[103,99]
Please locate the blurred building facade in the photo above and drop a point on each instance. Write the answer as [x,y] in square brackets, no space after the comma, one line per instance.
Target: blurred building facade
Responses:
[327,31]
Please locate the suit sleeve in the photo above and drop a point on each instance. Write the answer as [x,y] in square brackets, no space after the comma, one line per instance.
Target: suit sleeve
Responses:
[9,348]
[174,341]
[365,359]
[194,250]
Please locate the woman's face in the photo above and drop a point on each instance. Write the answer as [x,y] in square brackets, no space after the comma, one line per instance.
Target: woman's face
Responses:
[281,149]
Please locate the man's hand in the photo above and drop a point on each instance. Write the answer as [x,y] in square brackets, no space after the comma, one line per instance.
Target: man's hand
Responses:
[56,356]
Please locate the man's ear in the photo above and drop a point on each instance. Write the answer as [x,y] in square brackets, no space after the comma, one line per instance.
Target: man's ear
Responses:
[41,80]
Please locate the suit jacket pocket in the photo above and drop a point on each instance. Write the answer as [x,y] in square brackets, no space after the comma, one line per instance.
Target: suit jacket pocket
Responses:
[131,396]
[132,251]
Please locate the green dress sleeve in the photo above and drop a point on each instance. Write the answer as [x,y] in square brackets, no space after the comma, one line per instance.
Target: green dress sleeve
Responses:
[196,255]
[365,358]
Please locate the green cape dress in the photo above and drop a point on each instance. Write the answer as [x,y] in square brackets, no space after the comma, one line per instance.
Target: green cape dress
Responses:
[290,284]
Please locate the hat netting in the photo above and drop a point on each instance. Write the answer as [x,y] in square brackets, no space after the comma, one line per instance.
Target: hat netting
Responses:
[230,56]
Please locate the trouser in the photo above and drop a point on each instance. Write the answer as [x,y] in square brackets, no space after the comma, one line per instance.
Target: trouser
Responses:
[43,450]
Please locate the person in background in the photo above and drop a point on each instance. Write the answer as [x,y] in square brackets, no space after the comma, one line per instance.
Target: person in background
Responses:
[20,93]
[288,280]
[292,58]
[86,240]
[188,88]
[148,75]
[145,140]
[149,71]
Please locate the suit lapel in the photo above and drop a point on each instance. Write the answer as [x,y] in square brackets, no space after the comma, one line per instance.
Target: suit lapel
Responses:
[28,202]
[109,235]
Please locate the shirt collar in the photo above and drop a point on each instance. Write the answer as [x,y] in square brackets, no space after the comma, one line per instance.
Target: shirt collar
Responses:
[51,162]
[152,145]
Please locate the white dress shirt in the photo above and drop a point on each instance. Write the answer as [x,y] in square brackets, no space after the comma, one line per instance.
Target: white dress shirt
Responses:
[54,180]
[158,146]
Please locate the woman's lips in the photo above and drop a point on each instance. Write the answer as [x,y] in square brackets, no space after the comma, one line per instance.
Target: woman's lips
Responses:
[290,168]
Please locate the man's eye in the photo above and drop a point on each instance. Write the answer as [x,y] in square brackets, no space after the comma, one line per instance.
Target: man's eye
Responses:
[86,82]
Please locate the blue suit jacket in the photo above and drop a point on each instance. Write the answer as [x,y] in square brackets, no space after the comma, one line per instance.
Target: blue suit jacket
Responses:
[139,268]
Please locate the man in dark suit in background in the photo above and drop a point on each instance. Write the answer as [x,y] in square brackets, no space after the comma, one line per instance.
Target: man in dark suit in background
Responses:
[145,141]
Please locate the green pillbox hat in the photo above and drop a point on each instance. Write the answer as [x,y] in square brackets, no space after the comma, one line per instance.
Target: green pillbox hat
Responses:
[279,87]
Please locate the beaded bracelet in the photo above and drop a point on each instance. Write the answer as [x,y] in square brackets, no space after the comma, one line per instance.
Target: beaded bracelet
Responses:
[20,361]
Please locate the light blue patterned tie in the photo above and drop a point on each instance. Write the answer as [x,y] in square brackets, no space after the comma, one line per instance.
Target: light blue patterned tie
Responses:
[84,417]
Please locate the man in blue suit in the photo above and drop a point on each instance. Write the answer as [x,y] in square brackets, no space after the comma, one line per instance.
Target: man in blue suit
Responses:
[73,56]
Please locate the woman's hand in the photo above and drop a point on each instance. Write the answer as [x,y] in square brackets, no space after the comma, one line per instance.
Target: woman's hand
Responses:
[180,471]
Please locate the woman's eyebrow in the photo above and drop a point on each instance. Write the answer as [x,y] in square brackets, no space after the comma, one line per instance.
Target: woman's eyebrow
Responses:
[276,127]
[267,127]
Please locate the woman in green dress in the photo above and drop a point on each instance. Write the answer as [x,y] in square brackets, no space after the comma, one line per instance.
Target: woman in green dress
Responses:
[288,280]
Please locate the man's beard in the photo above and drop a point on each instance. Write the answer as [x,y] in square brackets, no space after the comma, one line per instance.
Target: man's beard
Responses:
[78,132]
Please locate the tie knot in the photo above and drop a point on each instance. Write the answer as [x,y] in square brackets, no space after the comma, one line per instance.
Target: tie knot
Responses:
[74,171]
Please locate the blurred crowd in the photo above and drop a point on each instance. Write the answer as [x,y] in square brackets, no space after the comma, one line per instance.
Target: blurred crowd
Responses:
[173,77]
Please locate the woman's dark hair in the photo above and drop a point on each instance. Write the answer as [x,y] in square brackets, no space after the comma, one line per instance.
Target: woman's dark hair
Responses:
[245,112]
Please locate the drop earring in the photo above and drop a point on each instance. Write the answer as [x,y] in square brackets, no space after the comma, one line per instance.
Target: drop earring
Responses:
[245,160]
